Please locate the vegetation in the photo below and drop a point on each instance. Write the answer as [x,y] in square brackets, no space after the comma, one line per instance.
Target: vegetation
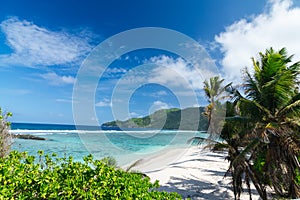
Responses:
[262,128]
[50,177]
[23,177]
[172,119]
[215,110]
[5,136]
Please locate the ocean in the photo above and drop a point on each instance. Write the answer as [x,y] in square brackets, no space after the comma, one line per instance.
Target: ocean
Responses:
[126,146]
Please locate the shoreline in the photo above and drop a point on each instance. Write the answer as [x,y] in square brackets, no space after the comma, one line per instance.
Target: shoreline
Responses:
[192,172]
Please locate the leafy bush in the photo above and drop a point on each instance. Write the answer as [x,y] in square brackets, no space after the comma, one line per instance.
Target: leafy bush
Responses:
[49,177]
[110,161]
[298,174]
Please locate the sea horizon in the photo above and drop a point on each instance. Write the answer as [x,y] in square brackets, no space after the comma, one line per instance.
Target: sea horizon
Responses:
[52,126]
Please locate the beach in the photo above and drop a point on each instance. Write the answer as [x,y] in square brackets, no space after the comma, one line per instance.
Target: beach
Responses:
[192,172]
[188,170]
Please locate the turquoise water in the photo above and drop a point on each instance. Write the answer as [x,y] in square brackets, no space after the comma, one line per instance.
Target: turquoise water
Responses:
[125,146]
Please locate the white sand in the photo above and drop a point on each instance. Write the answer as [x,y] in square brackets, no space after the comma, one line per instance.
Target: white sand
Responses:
[192,172]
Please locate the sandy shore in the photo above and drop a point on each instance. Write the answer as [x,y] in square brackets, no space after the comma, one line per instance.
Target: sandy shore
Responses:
[192,172]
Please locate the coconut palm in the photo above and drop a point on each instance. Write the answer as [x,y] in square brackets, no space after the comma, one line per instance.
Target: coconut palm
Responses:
[269,146]
[215,92]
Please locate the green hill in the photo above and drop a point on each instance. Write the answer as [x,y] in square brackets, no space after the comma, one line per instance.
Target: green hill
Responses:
[174,118]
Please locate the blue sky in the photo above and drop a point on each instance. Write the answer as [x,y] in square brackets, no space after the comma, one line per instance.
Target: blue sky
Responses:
[44,43]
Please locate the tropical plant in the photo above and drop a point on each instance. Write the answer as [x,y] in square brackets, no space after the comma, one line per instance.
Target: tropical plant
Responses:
[110,161]
[215,92]
[263,128]
[50,177]
[5,135]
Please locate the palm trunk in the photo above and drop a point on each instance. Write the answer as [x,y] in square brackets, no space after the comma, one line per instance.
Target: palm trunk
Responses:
[259,187]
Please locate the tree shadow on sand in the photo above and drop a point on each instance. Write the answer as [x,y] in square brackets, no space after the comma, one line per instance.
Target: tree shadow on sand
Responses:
[196,189]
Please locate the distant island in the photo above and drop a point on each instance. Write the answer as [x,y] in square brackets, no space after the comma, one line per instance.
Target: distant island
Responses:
[168,119]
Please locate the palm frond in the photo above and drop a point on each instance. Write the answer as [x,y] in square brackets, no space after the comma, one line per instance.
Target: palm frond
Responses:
[250,147]
[251,86]
[202,140]
[292,109]
[136,163]
[255,106]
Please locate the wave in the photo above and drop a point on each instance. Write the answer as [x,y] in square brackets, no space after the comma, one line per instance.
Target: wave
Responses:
[61,132]
[41,131]
[133,132]
[159,131]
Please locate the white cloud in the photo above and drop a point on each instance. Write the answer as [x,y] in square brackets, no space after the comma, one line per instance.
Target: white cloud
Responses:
[156,94]
[114,73]
[183,80]
[35,46]
[116,70]
[162,93]
[277,27]
[55,79]
[161,105]
[134,114]
[104,103]
[158,105]
[175,72]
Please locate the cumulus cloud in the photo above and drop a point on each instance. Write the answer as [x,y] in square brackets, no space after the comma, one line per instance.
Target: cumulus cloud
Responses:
[161,105]
[116,70]
[104,103]
[158,105]
[277,27]
[113,73]
[55,79]
[134,114]
[175,72]
[34,46]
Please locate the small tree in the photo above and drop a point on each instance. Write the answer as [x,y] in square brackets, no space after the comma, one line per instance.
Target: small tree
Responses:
[215,92]
[262,128]
[5,135]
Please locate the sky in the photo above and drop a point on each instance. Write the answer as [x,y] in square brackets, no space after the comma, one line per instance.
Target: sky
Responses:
[46,47]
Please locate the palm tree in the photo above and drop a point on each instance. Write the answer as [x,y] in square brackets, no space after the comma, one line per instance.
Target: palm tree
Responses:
[215,92]
[270,145]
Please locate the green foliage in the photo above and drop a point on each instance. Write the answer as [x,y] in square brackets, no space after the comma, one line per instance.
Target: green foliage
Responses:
[22,177]
[144,121]
[111,124]
[262,127]
[259,164]
[215,92]
[298,177]
[110,161]
[298,174]
[5,136]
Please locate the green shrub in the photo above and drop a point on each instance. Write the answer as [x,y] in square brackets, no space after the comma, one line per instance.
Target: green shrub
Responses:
[49,177]
[110,161]
[298,174]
